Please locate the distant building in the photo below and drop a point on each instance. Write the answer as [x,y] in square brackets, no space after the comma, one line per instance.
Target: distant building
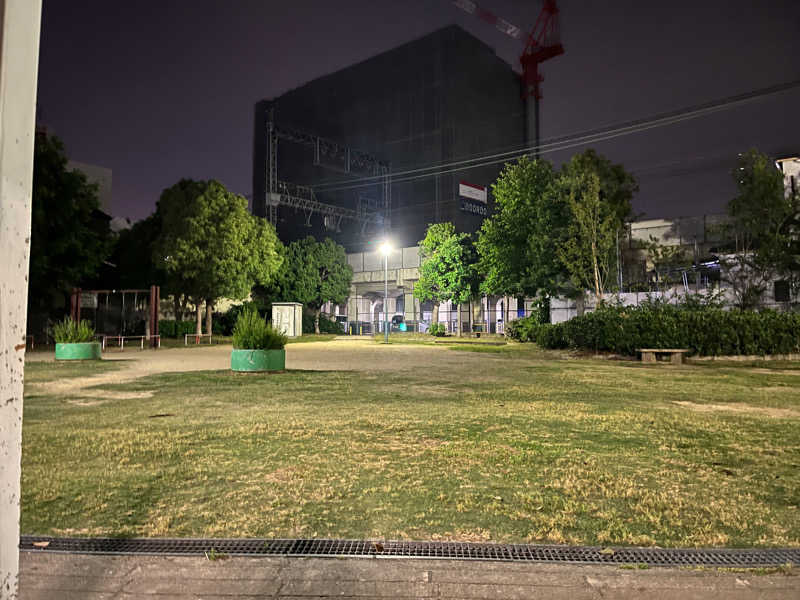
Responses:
[118,224]
[99,175]
[790,167]
[437,100]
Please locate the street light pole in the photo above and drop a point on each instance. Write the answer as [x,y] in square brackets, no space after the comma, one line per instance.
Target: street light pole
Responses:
[386,296]
[385,249]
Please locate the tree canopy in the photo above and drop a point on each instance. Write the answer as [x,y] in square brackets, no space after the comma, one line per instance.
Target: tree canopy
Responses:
[133,255]
[69,236]
[762,225]
[552,232]
[210,245]
[447,267]
[598,194]
[517,244]
[314,273]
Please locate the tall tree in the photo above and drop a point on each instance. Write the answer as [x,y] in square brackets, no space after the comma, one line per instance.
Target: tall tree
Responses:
[762,229]
[447,269]
[314,274]
[589,251]
[211,245]
[69,237]
[517,244]
[598,195]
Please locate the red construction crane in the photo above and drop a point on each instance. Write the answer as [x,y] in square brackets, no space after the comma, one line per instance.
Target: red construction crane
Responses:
[543,44]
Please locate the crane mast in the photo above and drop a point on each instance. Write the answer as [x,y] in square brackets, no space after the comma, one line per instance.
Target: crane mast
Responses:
[543,43]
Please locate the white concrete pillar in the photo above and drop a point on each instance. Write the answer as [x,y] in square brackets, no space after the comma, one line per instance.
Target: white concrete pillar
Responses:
[410,307]
[19,62]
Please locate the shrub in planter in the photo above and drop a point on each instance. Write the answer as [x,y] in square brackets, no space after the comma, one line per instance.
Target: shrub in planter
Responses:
[75,341]
[256,345]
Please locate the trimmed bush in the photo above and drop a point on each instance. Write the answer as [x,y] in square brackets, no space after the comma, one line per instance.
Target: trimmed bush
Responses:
[437,329]
[72,332]
[707,331]
[175,329]
[524,329]
[326,324]
[252,332]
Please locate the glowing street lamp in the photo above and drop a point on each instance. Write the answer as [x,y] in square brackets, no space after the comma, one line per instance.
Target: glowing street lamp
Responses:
[386,248]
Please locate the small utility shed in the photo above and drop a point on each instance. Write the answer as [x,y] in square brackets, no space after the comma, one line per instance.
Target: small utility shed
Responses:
[287,317]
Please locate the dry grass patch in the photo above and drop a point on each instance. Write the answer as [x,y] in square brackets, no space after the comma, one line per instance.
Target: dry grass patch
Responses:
[520,448]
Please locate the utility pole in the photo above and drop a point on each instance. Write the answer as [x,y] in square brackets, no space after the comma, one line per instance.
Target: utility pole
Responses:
[19,60]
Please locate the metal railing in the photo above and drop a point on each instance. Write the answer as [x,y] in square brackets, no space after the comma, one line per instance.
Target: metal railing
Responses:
[197,337]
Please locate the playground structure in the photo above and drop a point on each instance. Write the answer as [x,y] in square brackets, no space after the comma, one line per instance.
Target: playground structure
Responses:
[120,315]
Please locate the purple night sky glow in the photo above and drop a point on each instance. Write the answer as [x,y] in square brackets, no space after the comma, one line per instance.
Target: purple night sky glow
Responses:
[162,90]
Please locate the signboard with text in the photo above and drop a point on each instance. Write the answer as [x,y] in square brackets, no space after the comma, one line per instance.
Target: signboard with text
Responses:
[473,199]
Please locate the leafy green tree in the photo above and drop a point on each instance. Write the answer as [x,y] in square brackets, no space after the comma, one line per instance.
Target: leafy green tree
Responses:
[589,252]
[133,255]
[447,269]
[517,244]
[136,267]
[211,246]
[762,227]
[314,273]
[666,261]
[598,195]
[69,237]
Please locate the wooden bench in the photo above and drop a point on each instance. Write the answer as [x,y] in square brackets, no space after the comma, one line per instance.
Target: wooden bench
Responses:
[649,354]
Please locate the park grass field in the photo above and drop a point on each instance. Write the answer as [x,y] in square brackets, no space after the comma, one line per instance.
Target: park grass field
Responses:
[546,449]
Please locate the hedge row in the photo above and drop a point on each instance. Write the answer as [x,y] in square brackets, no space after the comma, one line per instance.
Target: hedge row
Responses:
[326,325]
[704,331]
[175,329]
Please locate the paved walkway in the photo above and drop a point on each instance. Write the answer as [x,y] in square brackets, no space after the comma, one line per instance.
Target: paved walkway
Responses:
[340,355]
[85,577]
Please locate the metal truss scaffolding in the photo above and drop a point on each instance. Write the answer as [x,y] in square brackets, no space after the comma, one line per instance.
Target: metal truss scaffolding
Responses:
[330,155]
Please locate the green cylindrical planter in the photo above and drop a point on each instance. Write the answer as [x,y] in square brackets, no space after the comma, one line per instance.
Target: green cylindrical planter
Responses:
[258,360]
[82,351]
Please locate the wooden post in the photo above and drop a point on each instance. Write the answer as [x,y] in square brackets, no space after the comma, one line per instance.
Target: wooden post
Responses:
[19,58]
[75,305]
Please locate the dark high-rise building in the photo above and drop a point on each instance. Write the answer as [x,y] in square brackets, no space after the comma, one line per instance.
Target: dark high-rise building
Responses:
[437,100]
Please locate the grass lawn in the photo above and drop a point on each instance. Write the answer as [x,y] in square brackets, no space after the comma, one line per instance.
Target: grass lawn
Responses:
[578,451]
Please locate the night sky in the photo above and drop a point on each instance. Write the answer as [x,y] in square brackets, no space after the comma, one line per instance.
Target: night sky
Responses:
[160,90]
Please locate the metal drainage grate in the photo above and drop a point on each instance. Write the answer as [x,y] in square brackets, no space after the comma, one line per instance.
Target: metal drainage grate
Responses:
[656,557]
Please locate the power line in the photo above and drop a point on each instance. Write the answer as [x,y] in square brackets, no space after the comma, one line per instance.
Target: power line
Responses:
[572,140]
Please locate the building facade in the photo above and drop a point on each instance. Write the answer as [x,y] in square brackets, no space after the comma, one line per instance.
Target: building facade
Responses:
[435,101]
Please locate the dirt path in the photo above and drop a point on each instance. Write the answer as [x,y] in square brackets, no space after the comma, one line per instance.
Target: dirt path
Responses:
[338,355]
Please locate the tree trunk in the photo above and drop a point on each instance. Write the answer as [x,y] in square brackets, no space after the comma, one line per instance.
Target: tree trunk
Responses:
[471,319]
[176,305]
[580,305]
[435,314]
[199,318]
[316,320]
[209,313]
[598,292]
[458,320]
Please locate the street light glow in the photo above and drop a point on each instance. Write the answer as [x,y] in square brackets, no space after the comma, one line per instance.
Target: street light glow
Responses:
[386,248]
